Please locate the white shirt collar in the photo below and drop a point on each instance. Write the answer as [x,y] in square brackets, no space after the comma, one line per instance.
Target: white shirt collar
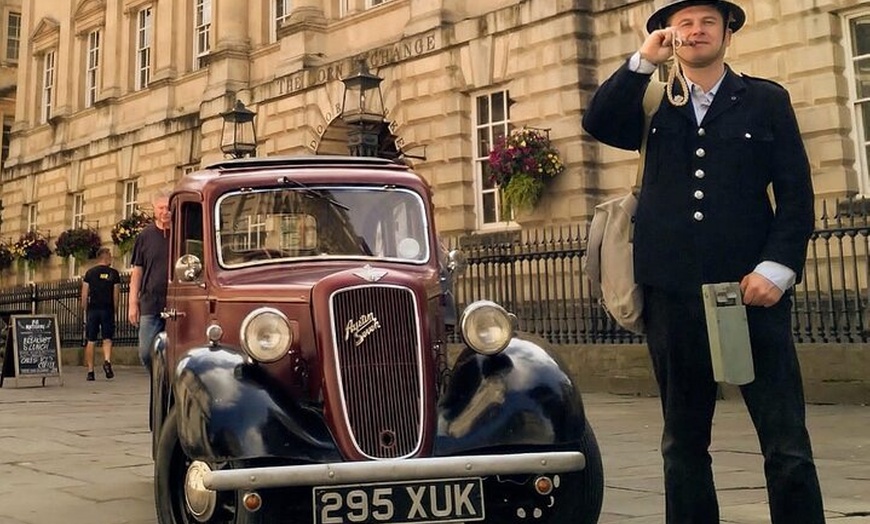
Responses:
[699,93]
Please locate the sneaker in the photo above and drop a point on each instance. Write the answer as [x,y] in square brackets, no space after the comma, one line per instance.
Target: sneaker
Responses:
[90,376]
[107,367]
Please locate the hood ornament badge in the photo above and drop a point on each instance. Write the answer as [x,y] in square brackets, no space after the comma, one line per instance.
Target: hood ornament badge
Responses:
[370,274]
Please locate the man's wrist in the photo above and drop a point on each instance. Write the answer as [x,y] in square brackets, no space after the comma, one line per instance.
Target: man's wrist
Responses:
[638,64]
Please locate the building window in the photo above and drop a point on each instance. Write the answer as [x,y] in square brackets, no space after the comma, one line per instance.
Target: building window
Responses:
[78,220]
[31,216]
[375,3]
[343,8]
[859,52]
[143,48]
[78,210]
[251,233]
[92,67]
[201,32]
[131,197]
[7,133]
[48,62]
[492,121]
[280,14]
[13,36]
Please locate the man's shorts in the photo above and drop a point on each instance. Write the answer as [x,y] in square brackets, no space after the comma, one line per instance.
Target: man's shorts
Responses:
[100,321]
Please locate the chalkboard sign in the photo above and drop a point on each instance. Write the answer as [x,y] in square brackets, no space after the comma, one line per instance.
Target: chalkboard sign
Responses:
[35,346]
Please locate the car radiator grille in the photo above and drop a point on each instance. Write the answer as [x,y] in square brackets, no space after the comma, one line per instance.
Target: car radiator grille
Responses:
[378,357]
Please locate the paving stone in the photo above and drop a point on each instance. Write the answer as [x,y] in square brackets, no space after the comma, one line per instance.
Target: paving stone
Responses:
[81,454]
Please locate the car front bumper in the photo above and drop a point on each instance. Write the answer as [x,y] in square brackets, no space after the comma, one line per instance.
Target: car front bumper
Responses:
[394,470]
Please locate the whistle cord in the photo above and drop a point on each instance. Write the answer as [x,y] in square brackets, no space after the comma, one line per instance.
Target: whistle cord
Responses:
[676,75]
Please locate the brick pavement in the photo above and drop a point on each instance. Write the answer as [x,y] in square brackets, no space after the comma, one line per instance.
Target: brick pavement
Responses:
[80,453]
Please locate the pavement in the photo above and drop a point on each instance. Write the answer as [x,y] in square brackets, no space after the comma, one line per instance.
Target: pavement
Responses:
[79,453]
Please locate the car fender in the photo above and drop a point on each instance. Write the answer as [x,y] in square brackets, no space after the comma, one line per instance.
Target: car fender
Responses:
[160,394]
[518,397]
[228,412]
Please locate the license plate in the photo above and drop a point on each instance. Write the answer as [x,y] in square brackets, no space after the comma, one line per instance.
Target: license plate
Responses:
[450,500]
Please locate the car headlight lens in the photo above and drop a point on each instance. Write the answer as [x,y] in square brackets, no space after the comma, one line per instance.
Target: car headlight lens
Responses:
[266,334]
[486,327]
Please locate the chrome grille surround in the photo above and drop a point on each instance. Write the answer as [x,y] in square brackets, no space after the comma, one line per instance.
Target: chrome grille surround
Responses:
[377,348]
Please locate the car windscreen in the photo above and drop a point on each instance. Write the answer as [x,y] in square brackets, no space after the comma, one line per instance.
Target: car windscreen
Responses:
[256,226]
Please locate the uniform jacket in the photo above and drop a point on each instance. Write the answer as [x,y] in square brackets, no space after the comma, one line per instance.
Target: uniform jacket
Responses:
[704,213]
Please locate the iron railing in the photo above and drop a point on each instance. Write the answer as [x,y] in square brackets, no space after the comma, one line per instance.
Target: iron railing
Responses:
[63,298]
[538,275]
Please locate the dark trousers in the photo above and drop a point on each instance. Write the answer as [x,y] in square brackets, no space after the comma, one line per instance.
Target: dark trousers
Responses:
[678,345]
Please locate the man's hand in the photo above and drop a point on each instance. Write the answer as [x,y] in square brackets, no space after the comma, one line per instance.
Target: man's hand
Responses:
[759,291]
[133,313]
[658,46]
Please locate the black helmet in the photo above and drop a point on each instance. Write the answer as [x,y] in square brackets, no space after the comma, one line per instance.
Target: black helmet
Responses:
[735,16]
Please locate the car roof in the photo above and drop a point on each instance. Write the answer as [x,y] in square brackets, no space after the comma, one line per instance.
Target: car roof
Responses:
[228,174]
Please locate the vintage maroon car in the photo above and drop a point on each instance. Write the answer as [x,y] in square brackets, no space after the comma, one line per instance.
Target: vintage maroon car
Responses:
[304,374]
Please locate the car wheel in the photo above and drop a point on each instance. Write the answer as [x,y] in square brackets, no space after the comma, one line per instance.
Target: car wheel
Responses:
[155,418]
[170,471]
[591,482]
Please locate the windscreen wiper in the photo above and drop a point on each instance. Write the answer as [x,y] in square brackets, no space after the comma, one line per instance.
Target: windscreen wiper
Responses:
[287,181]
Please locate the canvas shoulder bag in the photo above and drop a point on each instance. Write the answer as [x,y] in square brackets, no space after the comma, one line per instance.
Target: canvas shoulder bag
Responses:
[609,260]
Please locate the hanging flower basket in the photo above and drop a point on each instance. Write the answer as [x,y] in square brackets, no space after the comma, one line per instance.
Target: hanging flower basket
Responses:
[124,233]
[31,249]
[81,243]
[6,256]
[521,163]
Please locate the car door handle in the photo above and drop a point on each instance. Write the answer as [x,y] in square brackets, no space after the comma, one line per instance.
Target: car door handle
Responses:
[171,314]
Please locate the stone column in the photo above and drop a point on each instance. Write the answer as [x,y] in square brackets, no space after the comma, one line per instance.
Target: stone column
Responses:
[307,11]
[231,26]
[301,37]
[111,70]
[229,62]
[166,32]
[429,14]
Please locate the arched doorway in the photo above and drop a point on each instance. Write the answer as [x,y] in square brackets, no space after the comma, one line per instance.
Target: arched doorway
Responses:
[334,140]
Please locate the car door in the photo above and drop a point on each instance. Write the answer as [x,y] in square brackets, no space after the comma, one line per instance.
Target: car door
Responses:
[187,303]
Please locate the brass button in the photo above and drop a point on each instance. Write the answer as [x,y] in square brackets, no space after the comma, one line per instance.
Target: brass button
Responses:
[700,173]
[748,135]
[698,216]
[699,195]
[701,131]
[700,153]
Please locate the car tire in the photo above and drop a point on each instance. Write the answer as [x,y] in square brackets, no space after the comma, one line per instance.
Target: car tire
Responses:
[591,484]
[170,467]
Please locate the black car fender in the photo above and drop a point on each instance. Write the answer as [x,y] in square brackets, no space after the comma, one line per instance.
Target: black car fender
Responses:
[228,412]
[517,398]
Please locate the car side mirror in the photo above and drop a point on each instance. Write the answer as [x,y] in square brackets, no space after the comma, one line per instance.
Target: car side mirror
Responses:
[188,268]
[456,262]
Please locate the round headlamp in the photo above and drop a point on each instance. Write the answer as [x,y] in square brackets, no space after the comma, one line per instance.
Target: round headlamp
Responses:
[486,327]
[266,334]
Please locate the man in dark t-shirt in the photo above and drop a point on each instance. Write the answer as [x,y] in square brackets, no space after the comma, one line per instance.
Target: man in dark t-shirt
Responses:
[150,276]
[101,287]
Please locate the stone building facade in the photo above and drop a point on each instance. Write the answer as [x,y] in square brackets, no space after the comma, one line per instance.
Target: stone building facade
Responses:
[118,98]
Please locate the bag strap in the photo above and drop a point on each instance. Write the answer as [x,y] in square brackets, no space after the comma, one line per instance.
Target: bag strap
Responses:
[652,99]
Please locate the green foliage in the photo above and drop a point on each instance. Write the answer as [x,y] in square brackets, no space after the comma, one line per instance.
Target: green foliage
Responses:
[522,192]
[124,232]
[6,256]
[520,164]
[81,243]
[31,248]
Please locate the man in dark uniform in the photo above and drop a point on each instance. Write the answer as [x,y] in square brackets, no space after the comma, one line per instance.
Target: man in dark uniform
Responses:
[705,216]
